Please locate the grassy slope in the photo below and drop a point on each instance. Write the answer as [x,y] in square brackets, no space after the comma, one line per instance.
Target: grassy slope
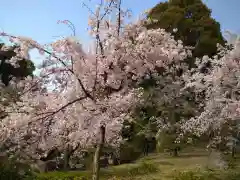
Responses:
[154,167]
[166,165]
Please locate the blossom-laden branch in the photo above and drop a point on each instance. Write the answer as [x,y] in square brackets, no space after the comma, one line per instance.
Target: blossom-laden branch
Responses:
[32,44]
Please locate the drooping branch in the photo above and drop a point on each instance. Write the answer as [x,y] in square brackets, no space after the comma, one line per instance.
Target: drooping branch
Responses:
[72,27]
[87,93]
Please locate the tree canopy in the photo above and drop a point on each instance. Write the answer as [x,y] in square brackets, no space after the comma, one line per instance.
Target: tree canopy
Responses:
[194,24]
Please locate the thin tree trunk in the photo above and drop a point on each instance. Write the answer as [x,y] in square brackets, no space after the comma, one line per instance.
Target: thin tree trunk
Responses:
[66,158]
[175,152]
[96,164]
[119,18]
[209,158]
[68,152]
[233,150]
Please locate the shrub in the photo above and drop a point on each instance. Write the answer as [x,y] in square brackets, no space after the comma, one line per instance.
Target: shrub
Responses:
[14,170]
[189,175]
[231,161]
[131,170]
[130,151]
[143,168]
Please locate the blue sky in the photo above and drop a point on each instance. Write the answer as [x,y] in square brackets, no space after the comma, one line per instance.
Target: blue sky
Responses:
[38,18]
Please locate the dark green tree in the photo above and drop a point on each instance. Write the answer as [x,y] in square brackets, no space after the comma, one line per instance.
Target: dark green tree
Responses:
[195,26]
[8,71]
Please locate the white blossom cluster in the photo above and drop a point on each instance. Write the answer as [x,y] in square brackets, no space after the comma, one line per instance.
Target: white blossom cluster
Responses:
[221,87]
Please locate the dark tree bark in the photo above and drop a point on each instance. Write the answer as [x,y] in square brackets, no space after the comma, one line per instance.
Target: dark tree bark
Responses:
[146,147]
[67,157]
[68,152]
[96,164]
[175,152]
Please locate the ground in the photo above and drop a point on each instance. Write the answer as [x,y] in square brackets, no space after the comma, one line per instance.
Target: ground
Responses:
[157,167]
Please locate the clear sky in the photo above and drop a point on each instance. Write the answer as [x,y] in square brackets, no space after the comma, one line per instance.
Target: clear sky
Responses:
[38,18]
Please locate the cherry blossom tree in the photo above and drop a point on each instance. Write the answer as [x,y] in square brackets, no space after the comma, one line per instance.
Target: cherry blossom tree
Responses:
[93,91]
[217,80]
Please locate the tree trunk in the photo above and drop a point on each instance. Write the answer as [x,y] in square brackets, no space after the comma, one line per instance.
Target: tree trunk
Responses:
[96,164]
[67,155]
[175,152]
[233,151]
[146,147]
[68,152]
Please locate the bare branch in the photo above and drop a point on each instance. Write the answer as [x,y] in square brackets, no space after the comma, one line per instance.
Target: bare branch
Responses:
[119,17]
[89,9]
[109,5]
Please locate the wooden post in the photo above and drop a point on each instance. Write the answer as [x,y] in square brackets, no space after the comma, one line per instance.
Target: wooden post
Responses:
[96,163]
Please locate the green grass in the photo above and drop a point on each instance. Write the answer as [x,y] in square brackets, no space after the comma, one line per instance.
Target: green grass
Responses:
[159,167]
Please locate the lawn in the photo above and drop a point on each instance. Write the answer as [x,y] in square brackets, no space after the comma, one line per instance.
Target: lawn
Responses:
[153,167]
[163,166]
